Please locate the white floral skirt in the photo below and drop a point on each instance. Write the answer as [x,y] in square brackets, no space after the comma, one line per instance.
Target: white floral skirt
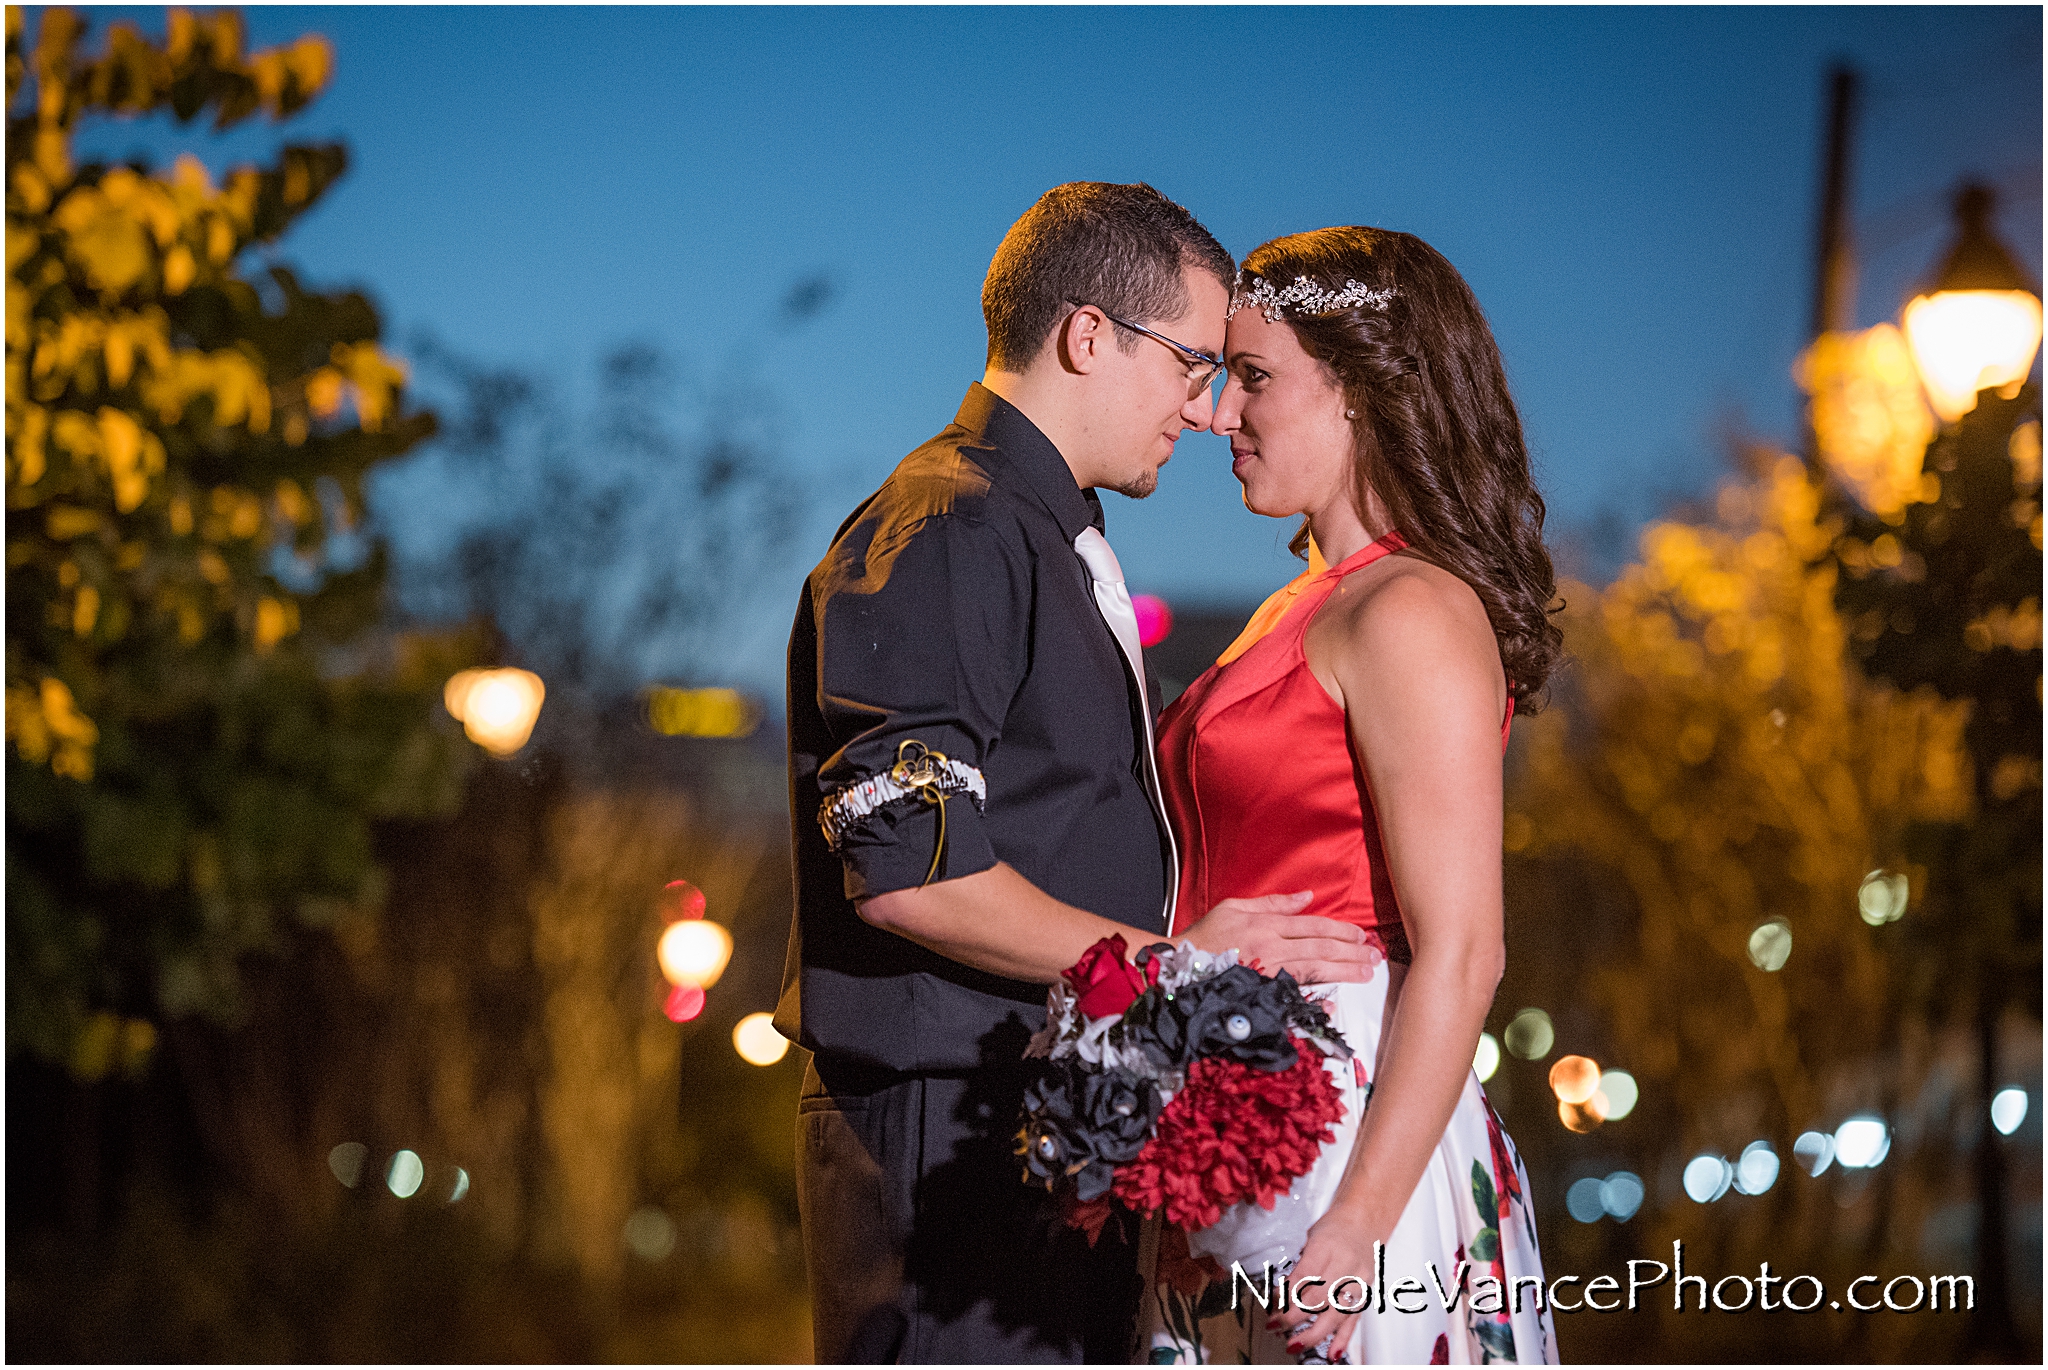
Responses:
[1459,1261]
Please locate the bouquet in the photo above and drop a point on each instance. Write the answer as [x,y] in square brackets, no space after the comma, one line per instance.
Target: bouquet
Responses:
[1185,1085]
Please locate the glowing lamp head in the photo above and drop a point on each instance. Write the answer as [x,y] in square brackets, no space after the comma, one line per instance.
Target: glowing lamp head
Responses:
[693,952]
[757,1041]
[496,708]
[1155,620]
[1979,327]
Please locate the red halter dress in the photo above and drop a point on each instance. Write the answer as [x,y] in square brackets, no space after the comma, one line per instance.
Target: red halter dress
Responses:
[1262,784]
[1268,796]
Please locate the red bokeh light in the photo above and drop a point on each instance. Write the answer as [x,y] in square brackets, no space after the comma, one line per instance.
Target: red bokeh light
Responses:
[680,899]
[1155,620]
[684,1003]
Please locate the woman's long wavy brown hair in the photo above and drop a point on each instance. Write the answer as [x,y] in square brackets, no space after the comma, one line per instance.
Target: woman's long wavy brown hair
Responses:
[1437,438]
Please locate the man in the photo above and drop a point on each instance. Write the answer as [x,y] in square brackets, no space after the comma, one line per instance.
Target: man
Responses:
[973,799]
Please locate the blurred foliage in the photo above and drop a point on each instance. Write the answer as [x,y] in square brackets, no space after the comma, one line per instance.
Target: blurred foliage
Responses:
[1720,756]
[201,724]
[503,1017]
[612,542]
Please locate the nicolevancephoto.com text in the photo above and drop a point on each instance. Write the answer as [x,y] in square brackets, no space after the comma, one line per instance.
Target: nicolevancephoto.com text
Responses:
[1485,1293]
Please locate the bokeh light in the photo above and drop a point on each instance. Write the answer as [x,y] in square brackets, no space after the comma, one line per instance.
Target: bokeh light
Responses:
[1530,1034]
[694,952]
[2008,1110]
[1616,1097]
[1770,946]
[1574,1079]
[681,899]
[1577,1117]
[1757,1168]
[1815,1152]
[1486,1058]
[1155,620]
[757,1041]
[1862,1142]
[460,1186]
[346,1161]
[684,1002]
[1621,1194]
[1582,1200]
[404,1174]
[1882,898]
[716,712]
[496,708]
[1707,1177]
[1970,340]
[650,1234]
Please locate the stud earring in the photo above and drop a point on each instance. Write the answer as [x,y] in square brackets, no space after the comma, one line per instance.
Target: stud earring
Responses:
[1351,413]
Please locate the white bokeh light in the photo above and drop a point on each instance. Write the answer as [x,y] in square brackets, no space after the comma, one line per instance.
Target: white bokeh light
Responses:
[1707,1177]
[1486,1057]
[1621,1194]
[1757,1170]
[1862,1142]
[2009,1110]
[1815,1152]
[404,1174]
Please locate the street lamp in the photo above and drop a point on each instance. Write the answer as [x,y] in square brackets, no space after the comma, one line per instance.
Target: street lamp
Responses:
[1979,325]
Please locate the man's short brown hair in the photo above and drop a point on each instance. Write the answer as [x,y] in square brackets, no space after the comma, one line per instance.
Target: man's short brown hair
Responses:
[1121,248]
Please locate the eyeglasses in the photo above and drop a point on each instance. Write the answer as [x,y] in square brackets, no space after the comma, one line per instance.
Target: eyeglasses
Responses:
[1203,367]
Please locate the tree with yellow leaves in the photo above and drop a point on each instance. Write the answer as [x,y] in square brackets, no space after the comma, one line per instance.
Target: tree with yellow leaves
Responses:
[197,743]
[1719,753]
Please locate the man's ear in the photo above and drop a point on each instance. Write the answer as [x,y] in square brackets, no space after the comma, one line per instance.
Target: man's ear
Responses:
[1081,338]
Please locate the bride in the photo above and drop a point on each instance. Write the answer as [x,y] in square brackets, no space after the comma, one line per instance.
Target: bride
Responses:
[1350,742]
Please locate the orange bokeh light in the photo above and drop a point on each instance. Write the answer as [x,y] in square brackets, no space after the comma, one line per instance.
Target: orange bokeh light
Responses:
[1574,1078]
[1577,1117]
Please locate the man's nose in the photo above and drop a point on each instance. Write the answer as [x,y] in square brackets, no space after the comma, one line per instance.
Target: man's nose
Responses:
[1200,411]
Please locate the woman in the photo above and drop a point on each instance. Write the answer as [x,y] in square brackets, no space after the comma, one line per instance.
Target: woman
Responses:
[1350,743]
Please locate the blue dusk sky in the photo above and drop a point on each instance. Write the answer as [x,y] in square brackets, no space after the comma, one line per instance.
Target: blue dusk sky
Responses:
[1632,194]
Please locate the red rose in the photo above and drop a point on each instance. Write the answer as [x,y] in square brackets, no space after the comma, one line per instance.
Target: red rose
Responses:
[1105,984]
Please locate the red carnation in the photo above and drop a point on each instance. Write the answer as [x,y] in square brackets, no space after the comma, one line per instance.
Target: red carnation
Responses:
[1105,984]
[1235,1134]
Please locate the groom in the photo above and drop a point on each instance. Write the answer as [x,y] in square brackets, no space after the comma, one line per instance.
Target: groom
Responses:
[974,803]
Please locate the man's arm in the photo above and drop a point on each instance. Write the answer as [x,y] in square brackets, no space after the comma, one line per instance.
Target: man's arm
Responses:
[996,920]
[949,598]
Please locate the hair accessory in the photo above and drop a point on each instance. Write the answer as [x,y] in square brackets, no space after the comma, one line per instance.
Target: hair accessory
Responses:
[1305,297]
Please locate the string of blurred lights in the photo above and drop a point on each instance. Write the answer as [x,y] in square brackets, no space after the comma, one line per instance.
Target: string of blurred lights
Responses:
[405,1174]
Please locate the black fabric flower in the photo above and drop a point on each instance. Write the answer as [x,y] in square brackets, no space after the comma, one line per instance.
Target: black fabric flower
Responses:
[1238,1015]
[1084,1125]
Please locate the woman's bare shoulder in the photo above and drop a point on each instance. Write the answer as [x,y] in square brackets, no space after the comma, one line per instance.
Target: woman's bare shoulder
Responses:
[1407,616]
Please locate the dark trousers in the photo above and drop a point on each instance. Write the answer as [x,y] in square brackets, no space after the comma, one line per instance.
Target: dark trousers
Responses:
[922,1242]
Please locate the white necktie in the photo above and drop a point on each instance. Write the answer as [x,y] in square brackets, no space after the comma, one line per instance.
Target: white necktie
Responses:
[1113,599]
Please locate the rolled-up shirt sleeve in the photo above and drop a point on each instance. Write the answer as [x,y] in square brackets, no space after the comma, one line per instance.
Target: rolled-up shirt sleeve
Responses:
[922,638]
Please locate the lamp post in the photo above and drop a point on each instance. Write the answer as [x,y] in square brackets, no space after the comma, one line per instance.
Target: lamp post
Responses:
[1978,324]
[1941,614]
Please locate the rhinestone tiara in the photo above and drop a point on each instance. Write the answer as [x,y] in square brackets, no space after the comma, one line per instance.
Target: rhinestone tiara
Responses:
[1306,297]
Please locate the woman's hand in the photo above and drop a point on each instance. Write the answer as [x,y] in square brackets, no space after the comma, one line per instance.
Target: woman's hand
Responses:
[1339,1253]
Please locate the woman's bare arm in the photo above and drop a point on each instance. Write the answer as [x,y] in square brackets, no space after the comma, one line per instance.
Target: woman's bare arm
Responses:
[1410,655]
